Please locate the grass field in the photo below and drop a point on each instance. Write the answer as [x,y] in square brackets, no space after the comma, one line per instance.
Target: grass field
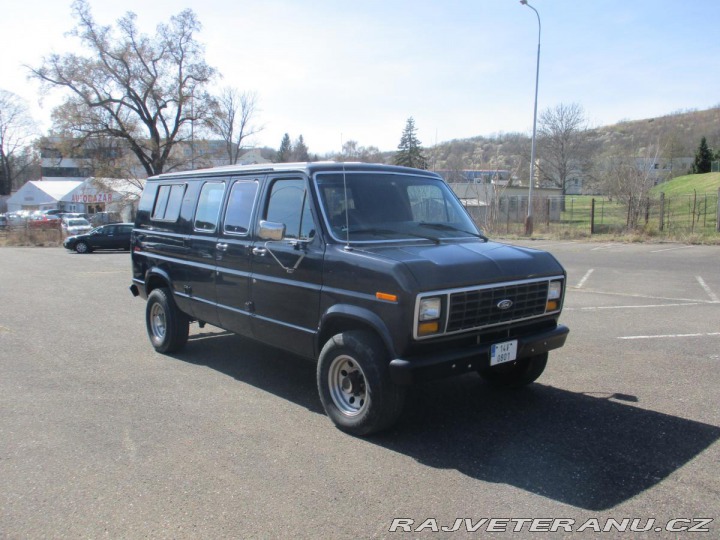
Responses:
[689,184]
[688,213]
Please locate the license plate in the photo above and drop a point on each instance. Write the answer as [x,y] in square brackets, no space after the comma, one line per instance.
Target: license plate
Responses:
[503,352]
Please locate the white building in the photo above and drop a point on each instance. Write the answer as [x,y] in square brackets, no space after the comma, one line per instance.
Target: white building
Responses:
[40,195]
[90,196]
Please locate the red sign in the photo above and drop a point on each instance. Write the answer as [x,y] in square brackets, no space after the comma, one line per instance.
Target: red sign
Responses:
[100,197]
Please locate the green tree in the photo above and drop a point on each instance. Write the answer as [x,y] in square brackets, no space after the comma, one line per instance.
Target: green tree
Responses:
[284,154]
[147,90]
[703,158]
[410,151]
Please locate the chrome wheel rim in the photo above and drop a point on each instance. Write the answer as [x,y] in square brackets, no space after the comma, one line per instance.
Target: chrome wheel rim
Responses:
[346,382]
[81,247]
[158,323]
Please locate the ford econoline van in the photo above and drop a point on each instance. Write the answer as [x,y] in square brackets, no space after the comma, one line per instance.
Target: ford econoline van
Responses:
[375,272]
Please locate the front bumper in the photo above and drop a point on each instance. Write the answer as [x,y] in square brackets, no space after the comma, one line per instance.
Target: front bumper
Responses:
[414,369]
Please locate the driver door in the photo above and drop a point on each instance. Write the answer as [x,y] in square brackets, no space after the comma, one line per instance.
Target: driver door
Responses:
[287,273]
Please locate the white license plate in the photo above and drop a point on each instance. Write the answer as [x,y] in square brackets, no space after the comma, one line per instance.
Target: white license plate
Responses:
[503,352]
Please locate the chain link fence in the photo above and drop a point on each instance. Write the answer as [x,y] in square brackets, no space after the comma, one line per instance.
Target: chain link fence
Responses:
[676,215]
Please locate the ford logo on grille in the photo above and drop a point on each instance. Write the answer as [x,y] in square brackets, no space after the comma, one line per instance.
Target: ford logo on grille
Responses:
[504,305]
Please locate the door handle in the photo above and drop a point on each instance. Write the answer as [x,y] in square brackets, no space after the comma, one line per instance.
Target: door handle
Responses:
[221,247]
[260,252]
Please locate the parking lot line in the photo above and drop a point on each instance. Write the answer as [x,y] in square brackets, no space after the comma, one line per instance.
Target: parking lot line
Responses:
[671,249]
[646,296]
[660,336]
[584,278]
[598,308]
[707,288]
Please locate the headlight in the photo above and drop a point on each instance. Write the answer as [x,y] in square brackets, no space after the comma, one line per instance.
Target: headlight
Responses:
[429,309]
[429,312]
[553,297]
[554,290]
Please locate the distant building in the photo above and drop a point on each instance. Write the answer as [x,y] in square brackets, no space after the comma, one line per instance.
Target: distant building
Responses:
[90,196]
[60,160]
[507,203]
[476,176]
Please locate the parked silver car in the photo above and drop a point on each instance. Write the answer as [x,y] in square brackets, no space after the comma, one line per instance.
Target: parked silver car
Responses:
[73,226]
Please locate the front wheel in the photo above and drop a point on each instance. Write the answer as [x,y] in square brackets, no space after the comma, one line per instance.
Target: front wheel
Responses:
[82,247]
[354,383]
[515,374]
[167,326]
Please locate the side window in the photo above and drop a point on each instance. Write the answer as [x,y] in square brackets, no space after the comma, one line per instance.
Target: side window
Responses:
[289,204]
[168,202]
[161,200]
[239,207]
[208,208]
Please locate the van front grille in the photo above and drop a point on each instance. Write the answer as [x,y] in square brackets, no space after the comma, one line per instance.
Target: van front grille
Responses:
[479,307]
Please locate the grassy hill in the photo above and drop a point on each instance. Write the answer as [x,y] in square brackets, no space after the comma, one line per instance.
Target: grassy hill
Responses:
[677,135]
[687,185]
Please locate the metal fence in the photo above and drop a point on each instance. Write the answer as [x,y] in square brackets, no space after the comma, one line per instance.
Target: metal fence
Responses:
[670,215]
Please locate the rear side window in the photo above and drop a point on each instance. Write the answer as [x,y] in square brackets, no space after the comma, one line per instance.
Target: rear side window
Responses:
[208,208]
[239,207]
[168,202]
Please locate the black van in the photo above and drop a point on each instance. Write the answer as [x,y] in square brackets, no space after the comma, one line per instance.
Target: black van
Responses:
[375,271]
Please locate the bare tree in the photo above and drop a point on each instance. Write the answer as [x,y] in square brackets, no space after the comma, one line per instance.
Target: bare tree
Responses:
[232,115]
[353,151]
[629,180]
[563,143]
[131,86]
[17,129]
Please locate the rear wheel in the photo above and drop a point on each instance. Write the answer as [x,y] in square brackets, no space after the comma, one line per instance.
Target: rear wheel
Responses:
[167,326]
[515,374]
[354,383]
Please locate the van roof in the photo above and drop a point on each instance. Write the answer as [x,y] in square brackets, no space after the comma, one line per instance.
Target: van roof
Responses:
[308,168]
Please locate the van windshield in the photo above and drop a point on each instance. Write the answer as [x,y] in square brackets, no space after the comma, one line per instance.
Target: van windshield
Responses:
[391,206]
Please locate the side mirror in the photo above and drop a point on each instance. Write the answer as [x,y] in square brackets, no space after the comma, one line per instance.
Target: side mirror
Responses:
[271,231]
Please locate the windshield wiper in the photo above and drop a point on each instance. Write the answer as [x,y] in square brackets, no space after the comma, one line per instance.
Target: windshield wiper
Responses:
[446,227]
[386,232]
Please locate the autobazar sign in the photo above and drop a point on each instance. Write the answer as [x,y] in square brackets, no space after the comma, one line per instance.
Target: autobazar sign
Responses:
[96,198]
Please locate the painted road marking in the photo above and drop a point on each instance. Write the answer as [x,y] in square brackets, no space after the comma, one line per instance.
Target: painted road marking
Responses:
[598,308]
[671,249]
[672,336]
[649,297]
[584,279]
[707,288]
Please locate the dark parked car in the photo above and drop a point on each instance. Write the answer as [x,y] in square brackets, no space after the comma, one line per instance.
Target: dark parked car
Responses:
[377,272]
[115,236]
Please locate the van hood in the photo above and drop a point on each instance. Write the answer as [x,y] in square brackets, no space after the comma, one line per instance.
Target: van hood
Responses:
[464,264]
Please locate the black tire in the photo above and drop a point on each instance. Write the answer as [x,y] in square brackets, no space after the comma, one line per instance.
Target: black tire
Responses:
[354,383]
[515,374]
[82,247]
[167,326]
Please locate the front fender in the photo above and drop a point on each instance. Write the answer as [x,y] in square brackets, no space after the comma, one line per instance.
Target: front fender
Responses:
[344,317]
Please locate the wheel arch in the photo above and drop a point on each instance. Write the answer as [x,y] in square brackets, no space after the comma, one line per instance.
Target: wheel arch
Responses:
[156,277]
[343,318]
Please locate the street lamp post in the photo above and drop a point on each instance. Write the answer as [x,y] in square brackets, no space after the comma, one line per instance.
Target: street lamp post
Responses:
[529,219]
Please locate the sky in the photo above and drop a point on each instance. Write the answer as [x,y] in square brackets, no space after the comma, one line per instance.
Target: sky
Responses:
[334,71]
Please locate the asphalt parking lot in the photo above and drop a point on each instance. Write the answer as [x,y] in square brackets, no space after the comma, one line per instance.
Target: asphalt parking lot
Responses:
[102,437]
